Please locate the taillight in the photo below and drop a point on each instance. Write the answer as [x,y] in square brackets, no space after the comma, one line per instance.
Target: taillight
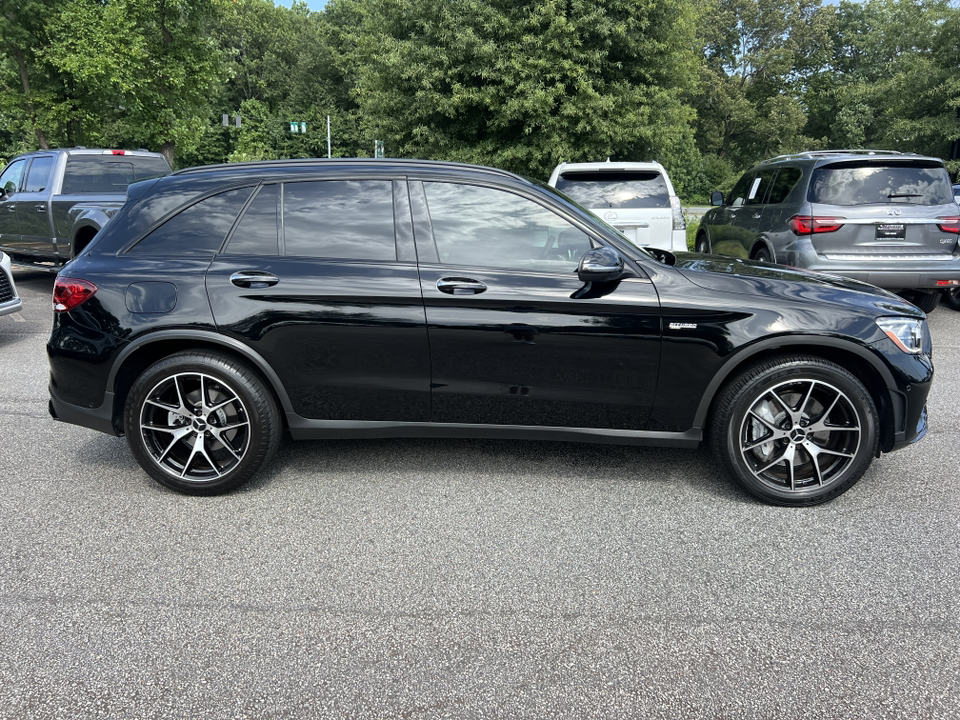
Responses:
[70,292]
[949,224]
[810,224]
[679,223]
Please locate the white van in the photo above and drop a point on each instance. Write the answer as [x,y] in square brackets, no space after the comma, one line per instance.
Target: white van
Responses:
[637,198]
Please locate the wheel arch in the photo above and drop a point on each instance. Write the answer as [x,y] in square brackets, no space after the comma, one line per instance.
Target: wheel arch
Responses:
[149,349]
[763,244]
[856,359]
[82,235]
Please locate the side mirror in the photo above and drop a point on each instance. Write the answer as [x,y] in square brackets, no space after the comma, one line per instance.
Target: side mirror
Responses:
[716,198]
[600,265]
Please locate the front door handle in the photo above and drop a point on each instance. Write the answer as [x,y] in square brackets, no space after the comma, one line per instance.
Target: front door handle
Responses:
[41,208]
[757,216]
[460,286]
[253,279]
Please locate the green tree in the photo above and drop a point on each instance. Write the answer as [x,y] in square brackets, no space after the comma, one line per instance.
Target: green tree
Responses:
[523,85]
[153,66]
[892,81]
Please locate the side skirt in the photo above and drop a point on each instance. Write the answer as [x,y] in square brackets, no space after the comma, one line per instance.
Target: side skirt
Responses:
[303,429]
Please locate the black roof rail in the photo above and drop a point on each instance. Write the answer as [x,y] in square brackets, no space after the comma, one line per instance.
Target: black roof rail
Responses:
[319,162]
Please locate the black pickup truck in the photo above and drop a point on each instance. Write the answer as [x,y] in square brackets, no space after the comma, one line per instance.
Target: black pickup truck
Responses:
[52,202]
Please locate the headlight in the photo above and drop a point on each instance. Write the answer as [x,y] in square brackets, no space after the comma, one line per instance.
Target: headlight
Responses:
[907,333]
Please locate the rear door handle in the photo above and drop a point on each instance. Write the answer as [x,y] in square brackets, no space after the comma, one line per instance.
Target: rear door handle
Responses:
[253,279]
[460,286]
[41,208]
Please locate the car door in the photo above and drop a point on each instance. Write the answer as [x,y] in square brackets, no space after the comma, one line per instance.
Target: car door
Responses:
[725,222]
[749,222]
[319,279]
[515,337]
[33,206]
[10,181]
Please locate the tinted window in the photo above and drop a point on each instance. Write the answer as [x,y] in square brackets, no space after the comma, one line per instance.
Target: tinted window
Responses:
[783,183]
[109,174]
[758,188]
[867,183]
[492,228]
[10,179]
[339,219]
[612,189]
[38,176]
[198,230]
[256,233]
[739,193]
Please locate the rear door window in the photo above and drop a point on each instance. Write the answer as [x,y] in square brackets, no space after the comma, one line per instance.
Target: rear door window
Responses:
[616,189]
[870,183]
[349,219]
[783,183]
[256,233]
[109,174]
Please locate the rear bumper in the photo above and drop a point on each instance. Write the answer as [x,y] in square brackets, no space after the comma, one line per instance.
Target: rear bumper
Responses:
[98,418]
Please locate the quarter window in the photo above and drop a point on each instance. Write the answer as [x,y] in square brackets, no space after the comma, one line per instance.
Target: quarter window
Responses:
[487,227]
[198,230]
[350,219]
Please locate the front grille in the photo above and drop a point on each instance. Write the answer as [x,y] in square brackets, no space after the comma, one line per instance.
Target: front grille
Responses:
[6,288]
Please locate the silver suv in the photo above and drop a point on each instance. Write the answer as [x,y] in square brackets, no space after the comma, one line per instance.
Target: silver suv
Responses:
[884,217]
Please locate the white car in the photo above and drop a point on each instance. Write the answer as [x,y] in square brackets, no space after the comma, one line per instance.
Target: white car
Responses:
[9,300]
[637,198]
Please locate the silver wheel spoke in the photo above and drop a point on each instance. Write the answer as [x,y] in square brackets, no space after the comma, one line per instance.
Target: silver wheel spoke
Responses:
[217,433]
[791,413]
[766,423]
[176,438]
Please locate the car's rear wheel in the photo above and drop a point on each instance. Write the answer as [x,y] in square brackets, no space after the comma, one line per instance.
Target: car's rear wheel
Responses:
[795,430]
[201,422]
[951,298]
[762,255]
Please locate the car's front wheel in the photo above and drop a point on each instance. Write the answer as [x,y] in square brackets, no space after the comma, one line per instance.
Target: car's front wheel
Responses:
[795,430]
[703,246]
[201,422]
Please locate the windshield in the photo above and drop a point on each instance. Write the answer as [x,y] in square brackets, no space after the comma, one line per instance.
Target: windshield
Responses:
[869,184]
[616,188]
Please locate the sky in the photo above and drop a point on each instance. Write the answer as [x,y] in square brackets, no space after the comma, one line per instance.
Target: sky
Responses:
[312,4]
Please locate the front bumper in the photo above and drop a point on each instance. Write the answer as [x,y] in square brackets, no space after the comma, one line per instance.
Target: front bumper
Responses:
[11,306]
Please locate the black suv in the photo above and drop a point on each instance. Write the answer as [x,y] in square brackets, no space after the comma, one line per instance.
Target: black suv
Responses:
[884,217]
[352,298]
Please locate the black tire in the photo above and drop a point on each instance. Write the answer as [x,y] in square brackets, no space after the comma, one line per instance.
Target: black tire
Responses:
[201,423]
[703,247]
[926,301]
[762,255]
[795,430]
[951,298]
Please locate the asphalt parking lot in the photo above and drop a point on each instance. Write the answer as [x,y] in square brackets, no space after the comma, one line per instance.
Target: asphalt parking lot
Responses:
[473,579]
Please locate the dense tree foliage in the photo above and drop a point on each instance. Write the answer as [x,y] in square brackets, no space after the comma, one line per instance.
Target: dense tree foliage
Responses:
[705,87]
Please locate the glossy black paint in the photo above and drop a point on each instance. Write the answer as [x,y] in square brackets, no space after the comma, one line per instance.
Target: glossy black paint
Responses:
[361,349]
